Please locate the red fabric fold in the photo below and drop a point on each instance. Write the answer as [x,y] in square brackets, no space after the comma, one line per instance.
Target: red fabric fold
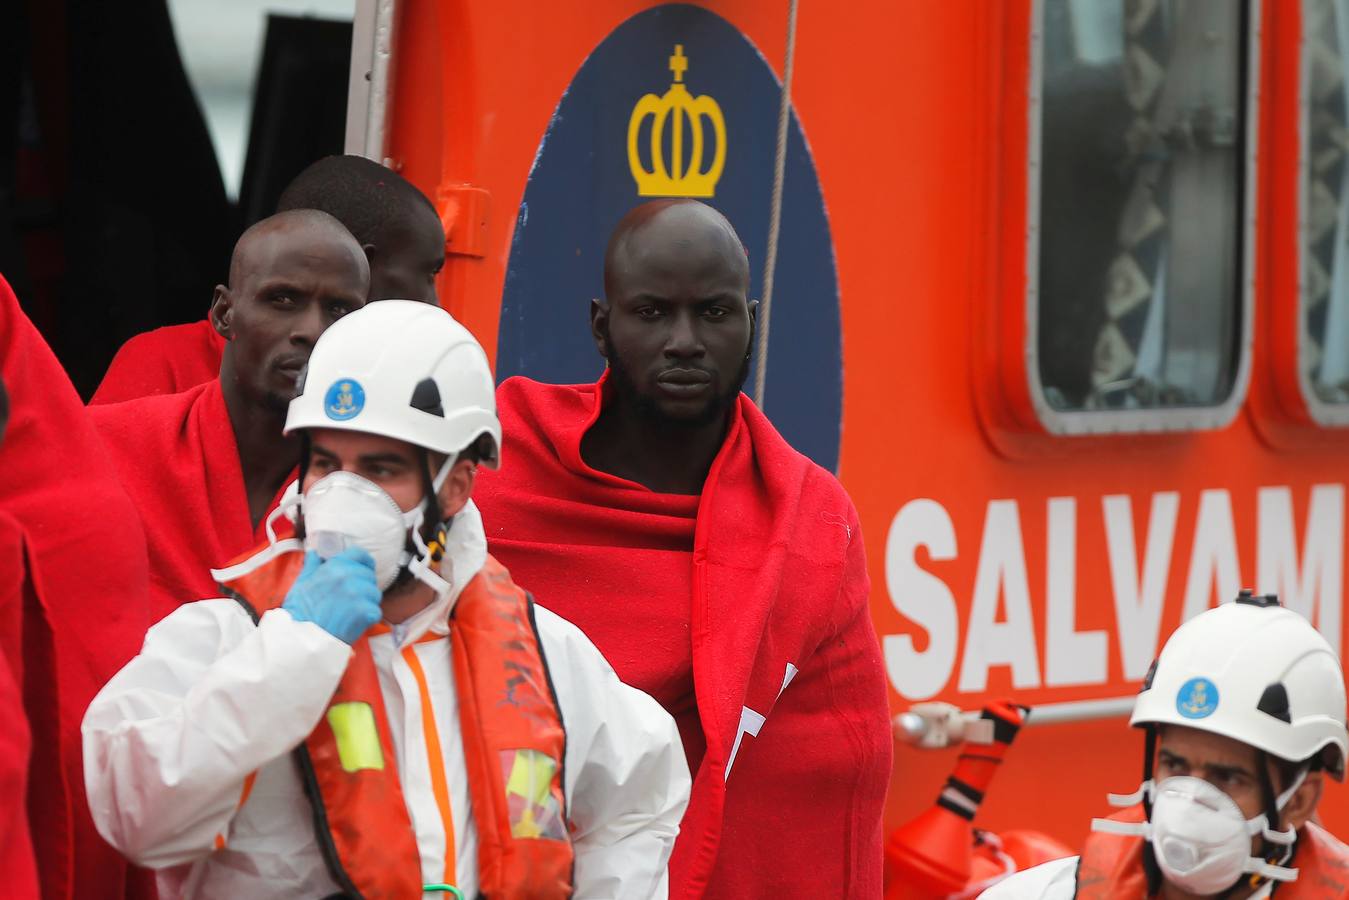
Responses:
[84,588]
[16,840]
[167,360]
[178,459]
[775,576]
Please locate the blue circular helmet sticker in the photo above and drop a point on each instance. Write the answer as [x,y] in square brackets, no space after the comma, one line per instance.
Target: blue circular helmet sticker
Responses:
[344,400]
[1198,698]
[676,102]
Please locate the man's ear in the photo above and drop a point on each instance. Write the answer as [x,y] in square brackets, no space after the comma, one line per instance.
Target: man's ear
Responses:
[1302,805]
[599,319]
[753,327]
[457,489]
[222,311]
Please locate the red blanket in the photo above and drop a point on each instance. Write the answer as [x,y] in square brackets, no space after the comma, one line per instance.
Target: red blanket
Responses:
[16,841]
[177,457]
[85,576]
[776,592]
[163,361]
[16,847]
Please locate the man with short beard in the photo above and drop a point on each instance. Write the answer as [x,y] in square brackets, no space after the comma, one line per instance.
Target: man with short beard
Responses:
[715,567]
[206,466]
[395,224]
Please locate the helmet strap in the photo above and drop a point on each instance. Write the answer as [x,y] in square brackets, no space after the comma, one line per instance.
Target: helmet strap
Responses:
[430,535]
[1270,850]
[1149,756]
[1267,797]
[306,448]
[1150,867]
[435,522]
[444,472]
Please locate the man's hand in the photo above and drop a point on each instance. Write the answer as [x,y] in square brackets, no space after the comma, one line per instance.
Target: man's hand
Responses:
[339,595]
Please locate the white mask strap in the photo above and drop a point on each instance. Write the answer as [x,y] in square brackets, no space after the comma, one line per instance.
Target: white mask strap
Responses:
[414,517]
[1128,829]
[1260,824]
[288,504]
[1257,866]
[428,576]
[1126,800]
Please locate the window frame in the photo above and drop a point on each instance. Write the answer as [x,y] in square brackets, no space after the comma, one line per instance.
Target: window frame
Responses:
[1142,421]
[1322,414]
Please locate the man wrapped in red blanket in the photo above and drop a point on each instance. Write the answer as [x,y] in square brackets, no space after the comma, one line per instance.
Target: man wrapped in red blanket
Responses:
[207,466]
[72,612]
[717,568]
[394,223]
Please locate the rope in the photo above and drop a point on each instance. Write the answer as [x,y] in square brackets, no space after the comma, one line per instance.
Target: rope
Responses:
[775,212]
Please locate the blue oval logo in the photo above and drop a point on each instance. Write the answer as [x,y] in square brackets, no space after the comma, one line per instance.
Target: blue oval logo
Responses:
[610,145]
[344,400]
[1198,698]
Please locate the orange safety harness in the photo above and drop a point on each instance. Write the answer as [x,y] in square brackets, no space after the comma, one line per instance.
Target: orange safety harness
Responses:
[1112,865]
[514,746]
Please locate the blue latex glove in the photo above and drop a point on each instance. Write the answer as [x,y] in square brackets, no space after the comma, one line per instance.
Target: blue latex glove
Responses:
[339,595]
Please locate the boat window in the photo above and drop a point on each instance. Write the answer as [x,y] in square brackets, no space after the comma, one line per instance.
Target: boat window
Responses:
[1139,172]
[1324,220]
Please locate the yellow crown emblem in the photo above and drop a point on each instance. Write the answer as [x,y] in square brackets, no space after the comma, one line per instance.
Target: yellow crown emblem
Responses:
[683,177]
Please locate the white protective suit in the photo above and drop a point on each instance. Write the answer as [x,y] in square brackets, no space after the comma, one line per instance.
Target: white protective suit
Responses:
[211,698]
[1057,880]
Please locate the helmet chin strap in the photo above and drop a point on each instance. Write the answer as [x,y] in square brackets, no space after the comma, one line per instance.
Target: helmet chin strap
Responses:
[424,566]
[444,472]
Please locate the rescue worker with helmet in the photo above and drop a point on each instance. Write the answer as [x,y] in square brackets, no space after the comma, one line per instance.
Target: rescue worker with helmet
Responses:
[1243,714]
[285,742]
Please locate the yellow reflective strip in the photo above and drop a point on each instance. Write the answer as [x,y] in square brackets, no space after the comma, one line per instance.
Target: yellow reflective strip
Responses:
[358,746]
[531,776]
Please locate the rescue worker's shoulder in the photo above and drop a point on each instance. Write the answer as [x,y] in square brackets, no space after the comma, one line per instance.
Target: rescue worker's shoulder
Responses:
[583,678]
[204,630]
[197,629]
[1056,880]
[565,645]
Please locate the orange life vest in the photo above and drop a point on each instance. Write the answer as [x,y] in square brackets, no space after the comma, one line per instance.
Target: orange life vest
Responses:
[1112,865]
[514,745]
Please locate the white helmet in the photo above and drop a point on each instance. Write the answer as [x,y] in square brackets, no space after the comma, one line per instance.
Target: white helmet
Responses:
[404,370]
[1254,672]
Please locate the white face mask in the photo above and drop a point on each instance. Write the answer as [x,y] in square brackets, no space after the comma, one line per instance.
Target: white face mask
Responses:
[344,510]
[1199,837]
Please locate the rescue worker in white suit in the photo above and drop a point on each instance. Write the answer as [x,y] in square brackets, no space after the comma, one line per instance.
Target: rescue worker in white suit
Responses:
[373,709]
[1244,713]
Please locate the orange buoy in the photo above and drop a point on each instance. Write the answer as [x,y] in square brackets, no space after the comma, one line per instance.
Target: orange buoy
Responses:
[933,855]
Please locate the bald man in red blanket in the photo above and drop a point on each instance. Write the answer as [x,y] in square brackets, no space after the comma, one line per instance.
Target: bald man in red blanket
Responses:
[715,567]
[206,467]
[72,612]
[395,224]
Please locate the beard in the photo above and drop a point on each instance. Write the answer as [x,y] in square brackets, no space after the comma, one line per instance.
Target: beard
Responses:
[275,402]
[648,408]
